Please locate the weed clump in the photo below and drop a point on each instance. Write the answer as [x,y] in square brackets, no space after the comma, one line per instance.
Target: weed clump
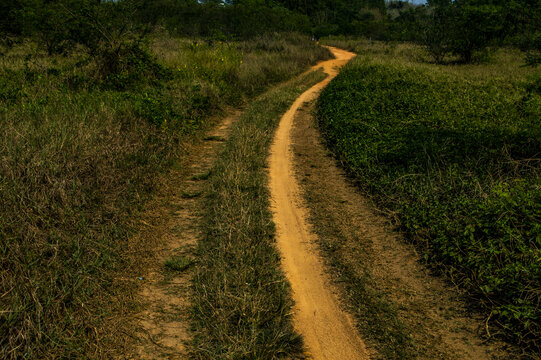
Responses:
[178,263]
[128,65]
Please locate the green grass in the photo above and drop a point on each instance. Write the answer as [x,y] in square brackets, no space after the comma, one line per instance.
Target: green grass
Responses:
[202,176]
[453,153]
[80,154]
[178,263]
[242,304]
[190,195]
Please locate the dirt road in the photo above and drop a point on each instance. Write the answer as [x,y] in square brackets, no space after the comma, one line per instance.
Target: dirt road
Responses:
[328,331]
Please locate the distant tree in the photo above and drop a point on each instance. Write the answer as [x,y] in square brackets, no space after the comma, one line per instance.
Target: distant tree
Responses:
[332,17]
[9,23]
[475,25]
[17,18]
[406,21]
[523,19]
[56,26]
[436,34]
[463,27]
[533,50]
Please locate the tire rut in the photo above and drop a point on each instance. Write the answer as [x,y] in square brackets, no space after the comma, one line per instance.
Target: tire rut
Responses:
[163,325]
[363,251]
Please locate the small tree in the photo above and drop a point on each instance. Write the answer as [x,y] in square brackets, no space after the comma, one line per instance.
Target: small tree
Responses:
[474,27]
[436,35]
[462,27]
[55,27]
[533,50]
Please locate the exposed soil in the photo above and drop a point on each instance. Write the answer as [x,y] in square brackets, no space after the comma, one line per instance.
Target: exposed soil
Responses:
[163,330]
[355,239]
[327,330]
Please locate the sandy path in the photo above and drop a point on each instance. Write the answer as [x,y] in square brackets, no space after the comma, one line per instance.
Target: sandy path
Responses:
[328,331]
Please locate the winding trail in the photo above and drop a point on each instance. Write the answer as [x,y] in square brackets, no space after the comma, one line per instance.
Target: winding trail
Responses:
[328,331]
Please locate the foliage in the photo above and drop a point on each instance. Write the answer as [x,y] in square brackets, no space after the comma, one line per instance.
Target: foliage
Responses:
[128,65]
[61,23]
[405,21]
[532,45]
[435,37]
[84,143]
[178,263]
[332,17]
[241,19]
[455,158]
[462,28]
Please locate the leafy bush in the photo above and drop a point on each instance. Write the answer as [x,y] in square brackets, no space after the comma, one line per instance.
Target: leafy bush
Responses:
[10,87]
[533,49]
[461,28]
[128,65]
[456,160]
[533,85]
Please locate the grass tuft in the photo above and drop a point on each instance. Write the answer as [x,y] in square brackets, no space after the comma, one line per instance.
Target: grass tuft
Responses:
[178,263]
[191,195]
[202,176]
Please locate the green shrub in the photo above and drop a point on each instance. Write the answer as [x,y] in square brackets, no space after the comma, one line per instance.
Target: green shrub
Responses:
[154,108]
[128,65]
[178,263]
[457,160]
[533,85]
[10,86]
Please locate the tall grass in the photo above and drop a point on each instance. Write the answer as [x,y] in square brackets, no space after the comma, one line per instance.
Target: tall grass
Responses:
[453,153]
[80,153]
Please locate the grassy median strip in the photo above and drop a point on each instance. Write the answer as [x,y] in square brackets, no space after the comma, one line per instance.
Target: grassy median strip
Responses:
[242,303]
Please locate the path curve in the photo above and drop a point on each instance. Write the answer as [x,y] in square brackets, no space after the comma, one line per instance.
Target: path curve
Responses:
[328,331]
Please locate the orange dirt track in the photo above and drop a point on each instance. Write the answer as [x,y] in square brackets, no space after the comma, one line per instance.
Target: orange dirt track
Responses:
[327,330]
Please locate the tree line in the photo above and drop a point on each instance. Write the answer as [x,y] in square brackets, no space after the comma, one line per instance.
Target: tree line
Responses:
[446,27]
